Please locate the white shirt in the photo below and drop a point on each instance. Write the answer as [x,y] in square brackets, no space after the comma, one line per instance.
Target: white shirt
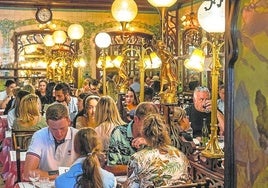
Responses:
[11,118]
[3,95]
[51,158]
[73,109]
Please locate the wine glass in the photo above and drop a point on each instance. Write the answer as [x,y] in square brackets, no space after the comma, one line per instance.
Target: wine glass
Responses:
[34,177]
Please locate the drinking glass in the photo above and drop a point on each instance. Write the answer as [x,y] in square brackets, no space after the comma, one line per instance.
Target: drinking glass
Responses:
[34,177]
[44,182]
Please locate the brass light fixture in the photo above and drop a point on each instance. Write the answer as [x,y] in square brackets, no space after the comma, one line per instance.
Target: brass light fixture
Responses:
[103,41]
[64,55]
[196,61]
[162,5]
[168,96]
[124,11]
[213,21]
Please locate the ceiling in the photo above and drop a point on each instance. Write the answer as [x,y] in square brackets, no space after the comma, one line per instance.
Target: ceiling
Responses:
[143,5]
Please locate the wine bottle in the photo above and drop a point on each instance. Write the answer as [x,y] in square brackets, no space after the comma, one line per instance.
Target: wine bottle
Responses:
[205,134]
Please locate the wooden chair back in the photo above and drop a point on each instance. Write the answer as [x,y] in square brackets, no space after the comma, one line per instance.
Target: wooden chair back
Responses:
[21,139]
[20,142]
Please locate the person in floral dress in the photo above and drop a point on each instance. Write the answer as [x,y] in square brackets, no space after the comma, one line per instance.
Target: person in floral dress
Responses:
[159,163]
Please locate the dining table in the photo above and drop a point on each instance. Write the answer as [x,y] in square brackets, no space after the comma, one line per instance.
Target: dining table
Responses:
[50,184]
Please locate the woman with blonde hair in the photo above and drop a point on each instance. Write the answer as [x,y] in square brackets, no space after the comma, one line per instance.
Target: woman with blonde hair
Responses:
[159,163]
[180,125]
[107,118]
[86,171]
[30,117]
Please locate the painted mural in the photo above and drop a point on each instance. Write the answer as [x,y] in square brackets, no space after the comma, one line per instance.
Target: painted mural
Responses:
[251,94]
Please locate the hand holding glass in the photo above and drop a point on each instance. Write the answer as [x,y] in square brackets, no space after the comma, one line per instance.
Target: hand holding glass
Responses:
[207,106]
[34,177]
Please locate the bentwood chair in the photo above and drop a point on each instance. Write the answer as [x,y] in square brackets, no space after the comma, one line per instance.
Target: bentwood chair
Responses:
[21,141]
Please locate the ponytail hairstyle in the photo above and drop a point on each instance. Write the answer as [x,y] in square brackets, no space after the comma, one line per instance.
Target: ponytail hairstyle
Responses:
[88,144]
[155,131]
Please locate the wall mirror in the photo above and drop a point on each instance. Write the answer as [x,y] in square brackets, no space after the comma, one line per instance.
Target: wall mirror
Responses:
[35,59]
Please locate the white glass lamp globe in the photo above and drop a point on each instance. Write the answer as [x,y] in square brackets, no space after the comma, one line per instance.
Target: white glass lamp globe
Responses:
[48,40]
[212,20]
[124,10]
[103,40]
[59,37]
[75,31]
[162,3]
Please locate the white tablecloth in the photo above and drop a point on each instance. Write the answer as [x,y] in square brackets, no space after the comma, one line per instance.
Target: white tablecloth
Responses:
[38,185]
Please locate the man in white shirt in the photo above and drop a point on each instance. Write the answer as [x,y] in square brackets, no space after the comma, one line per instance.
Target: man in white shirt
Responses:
[52,146]
[7,94]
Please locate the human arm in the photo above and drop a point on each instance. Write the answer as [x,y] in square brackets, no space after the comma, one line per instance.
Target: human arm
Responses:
[117,170]
[4,102]
[138,142]
[185,124]
[39,157]
[32,164]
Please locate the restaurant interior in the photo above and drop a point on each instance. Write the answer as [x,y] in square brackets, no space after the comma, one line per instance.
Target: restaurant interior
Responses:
[209,42]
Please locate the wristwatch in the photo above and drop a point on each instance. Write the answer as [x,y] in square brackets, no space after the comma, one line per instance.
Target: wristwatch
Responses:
[43,15]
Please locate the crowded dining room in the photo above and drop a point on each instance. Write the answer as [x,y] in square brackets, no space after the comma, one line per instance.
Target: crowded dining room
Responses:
[133,94]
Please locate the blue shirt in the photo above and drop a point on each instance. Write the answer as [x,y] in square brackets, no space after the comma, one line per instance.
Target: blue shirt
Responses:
[68,179]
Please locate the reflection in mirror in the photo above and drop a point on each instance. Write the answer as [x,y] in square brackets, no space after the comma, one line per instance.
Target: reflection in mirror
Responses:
[35,60]
[192,38]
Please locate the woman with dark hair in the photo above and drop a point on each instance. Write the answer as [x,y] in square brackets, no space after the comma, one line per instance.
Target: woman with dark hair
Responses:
[50,96]
[86,171]
[14,113]
[80,105]
[86,118]
[42,92]
[130,104]
[159,163]
[50,92]
[131,99]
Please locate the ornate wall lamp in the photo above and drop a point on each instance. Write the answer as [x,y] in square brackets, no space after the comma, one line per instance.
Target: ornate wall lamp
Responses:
[213,21]
[62,53]
[124,11]
[103,41]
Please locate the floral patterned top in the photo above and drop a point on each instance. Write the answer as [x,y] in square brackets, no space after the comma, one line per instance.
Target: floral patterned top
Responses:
[152,167]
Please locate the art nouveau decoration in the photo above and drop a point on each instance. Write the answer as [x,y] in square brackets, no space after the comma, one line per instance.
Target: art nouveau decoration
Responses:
[212,149]
[103,41]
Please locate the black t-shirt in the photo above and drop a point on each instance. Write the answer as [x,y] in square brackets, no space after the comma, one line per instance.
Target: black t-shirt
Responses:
[196,119]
